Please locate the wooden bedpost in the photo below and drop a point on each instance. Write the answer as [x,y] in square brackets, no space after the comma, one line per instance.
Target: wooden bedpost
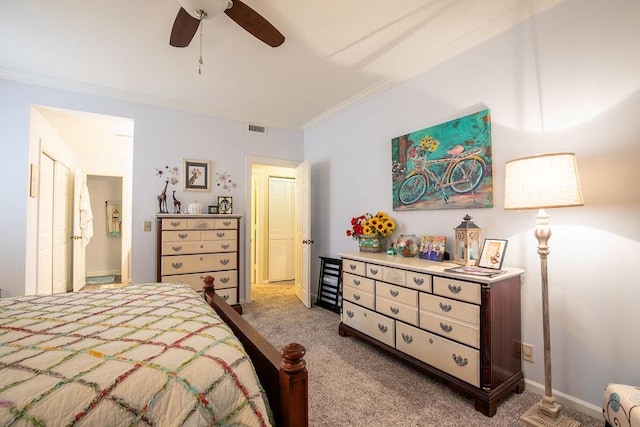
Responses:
[208,282]
[293,386]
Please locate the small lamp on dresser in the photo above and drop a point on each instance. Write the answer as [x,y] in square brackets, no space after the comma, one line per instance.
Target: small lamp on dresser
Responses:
[541,182]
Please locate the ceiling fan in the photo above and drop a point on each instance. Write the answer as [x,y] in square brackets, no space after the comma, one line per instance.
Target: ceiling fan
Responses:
[192,12]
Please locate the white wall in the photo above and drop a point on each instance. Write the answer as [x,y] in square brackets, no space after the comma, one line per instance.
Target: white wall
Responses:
[589,62]
[162,137]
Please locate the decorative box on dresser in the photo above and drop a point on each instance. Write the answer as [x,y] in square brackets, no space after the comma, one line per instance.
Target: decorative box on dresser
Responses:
[463,329]
[191,247]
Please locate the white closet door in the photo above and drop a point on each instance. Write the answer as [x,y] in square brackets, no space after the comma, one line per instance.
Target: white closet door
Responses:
[44,279]
[61,229]
[281,229]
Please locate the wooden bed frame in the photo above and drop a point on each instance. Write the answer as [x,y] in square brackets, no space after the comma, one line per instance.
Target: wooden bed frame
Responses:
[282,374]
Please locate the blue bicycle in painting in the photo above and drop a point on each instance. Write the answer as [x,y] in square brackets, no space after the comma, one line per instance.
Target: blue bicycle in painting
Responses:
[461,171]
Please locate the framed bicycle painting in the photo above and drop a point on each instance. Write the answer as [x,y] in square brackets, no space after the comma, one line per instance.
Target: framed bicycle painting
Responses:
[446,166]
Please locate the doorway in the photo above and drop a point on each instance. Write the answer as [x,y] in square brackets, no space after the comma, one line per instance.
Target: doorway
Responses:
[82,142]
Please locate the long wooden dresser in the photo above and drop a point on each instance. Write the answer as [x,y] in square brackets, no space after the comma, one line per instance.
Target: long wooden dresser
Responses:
[462,329]
[191,247]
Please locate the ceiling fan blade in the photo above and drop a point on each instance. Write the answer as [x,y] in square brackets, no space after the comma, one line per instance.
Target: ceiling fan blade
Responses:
[255,24]
[184,28]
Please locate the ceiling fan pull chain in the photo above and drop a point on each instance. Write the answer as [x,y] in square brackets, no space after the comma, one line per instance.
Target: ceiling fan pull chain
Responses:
[200,62]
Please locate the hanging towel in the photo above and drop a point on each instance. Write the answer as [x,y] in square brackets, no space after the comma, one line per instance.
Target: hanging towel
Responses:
[86,216]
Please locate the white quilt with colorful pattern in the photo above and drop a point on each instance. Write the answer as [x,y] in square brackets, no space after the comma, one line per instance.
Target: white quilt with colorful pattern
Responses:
[149,354]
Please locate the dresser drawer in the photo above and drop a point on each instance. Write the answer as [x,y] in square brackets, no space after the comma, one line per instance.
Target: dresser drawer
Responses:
[182,264]
[359,282]
[184,248]
[373,324]
[226,223]
[182,236]
[463,311]
[222,279]
[397,310]
[229,295]
[174,224]
[419,281]
[394,275]
[455,359]
[220,235]
[397,293]
[358,296]
[458,289]
[355,267]
[201,223]
[450,328]
[374,271]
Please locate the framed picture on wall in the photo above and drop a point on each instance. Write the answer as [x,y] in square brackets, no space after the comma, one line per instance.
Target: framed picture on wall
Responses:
[197,175]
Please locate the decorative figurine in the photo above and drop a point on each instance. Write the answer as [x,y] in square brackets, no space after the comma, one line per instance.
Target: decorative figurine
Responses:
[162,199]
[176,203]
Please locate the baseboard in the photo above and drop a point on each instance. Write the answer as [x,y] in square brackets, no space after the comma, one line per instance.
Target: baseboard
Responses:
[566,400]
[103,273]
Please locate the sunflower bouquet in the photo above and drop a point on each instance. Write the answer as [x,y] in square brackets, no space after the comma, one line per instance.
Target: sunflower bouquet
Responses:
[378,225]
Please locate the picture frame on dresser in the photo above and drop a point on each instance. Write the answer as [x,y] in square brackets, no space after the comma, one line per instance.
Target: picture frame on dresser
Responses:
[492,255]
[225,204]
[197,175]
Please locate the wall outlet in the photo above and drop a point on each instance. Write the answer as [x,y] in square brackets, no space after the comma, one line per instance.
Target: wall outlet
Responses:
[527,352]
[146,226]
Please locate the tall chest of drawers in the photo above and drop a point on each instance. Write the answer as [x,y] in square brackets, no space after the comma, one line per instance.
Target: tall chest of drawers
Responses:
[191,247]
[463,329]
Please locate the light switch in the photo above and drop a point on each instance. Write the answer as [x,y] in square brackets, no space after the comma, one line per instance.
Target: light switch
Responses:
[147,226]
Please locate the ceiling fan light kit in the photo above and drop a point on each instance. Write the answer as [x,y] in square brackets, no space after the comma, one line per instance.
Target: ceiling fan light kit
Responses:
[205,9]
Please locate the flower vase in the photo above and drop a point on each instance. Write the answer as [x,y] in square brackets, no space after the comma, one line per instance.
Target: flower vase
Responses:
[370,243]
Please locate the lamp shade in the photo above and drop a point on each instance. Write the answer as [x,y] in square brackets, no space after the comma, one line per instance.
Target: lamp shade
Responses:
[211,7]
[542,181]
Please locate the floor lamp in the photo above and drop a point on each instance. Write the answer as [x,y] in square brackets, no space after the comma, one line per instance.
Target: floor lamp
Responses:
[540,182]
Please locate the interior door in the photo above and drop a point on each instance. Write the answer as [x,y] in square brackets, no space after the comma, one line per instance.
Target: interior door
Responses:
[61,229]
[303,238]
[44,275]
[79,254]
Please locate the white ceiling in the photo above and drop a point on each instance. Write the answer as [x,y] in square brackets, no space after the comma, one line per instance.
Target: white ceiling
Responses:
[336,53]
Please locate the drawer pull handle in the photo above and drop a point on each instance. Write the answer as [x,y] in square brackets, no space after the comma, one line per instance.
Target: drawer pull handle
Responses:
[460,361]
[393,292]
[373,271]
[225,297]
[418,281]
[201,246]
[394,310]
[455,289]
[220,234]
[201,258]
[445,327]
[175,223]
[356,282]
[176,265]
[407,338]
[176,248]
[445,307]
[226,223]
[383,328]
[349,313]
[352,266]
[430,340]
[224,279]
[183,235]
[224,261]
[356,297]
[225,246]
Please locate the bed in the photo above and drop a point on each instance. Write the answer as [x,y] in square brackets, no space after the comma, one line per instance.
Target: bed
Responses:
[146,354]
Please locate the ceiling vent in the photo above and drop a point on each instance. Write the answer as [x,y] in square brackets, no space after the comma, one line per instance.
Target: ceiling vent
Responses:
[254,128]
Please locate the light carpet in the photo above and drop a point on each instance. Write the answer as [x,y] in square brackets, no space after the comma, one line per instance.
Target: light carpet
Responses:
[353,384]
